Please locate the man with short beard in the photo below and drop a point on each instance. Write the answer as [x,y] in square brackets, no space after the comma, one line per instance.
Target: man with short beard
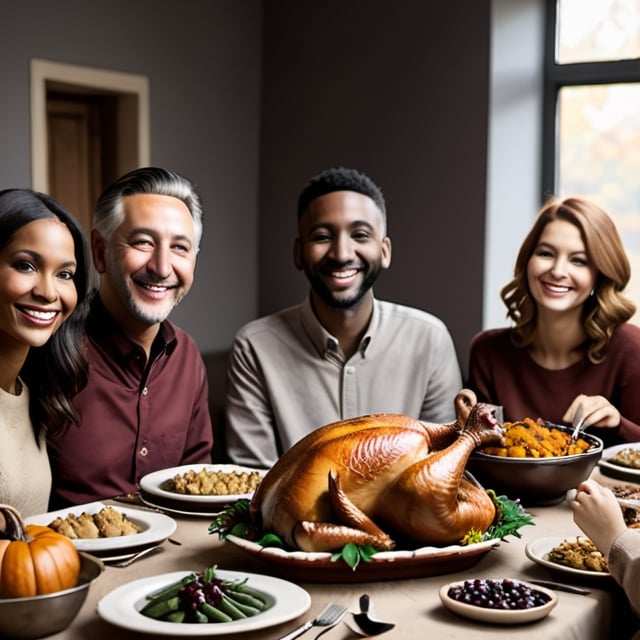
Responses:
[145,406]
[341,353]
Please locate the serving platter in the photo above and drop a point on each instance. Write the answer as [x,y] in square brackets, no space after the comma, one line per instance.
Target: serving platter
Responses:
[385,565]
[154,493]
[618,471]
[154,528]
[121,607]
[538,550]
[499,616]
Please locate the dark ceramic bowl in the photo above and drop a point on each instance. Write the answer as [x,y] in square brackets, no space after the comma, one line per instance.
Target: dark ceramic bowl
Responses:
[41,616]
[536,481]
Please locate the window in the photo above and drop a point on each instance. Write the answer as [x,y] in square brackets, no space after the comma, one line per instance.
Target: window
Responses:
[592,112]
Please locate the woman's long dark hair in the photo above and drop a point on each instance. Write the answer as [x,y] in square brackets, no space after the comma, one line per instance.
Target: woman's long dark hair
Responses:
[603,311]
[57,370]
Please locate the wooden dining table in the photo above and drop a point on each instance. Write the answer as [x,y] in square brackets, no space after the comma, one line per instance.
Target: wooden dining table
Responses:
[412,604]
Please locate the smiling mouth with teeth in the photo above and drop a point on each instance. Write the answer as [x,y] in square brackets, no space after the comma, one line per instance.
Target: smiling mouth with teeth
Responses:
[557,288]
[344,274]
[152,287]
[40,315]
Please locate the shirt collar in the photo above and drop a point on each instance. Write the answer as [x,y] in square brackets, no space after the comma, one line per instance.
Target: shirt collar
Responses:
[101,323]
[325,342]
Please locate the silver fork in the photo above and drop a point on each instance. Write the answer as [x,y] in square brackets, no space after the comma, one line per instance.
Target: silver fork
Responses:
[136,556]
[577,422]
[328,617]
[335,624]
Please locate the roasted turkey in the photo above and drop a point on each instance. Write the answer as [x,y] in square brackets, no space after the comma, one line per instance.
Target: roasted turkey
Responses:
[377,478]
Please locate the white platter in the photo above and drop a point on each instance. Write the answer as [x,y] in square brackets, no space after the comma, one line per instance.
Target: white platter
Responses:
[152,485]
[617,470]
[154,527]
[121,606]
[538,551]
[384,565]
[499,616]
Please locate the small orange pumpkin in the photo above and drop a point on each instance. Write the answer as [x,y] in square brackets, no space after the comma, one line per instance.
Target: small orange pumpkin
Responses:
[34,560]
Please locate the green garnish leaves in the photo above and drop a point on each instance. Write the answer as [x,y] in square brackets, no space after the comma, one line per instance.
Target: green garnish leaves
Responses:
[235,519]
[510,517]
[271,540]
[353,553]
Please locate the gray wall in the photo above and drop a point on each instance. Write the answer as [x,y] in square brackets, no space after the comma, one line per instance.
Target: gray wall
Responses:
[250,98]
[399,90]
[202,59]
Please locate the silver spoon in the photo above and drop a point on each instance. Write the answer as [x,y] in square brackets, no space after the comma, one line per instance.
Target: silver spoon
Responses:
[364,622]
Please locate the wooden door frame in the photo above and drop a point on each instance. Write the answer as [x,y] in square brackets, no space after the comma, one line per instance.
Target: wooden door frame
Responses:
[133,90]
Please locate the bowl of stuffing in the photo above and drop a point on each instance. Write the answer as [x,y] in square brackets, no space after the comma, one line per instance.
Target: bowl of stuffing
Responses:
[538,463]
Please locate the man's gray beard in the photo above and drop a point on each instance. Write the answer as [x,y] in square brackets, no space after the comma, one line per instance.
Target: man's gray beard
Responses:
[120,285]
[142,315]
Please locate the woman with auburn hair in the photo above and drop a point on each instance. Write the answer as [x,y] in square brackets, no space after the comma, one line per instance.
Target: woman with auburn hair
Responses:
[45,282]
[570,343]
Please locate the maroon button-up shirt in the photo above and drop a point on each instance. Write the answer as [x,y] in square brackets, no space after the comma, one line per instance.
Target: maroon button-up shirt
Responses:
[136,417]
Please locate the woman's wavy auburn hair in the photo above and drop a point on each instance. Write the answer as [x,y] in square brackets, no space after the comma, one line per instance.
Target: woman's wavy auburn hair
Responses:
[603,311]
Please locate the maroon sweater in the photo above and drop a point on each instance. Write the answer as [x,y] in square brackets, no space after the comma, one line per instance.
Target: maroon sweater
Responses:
[502,374]
[135,417]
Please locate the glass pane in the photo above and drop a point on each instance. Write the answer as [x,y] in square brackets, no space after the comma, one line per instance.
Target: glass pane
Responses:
[594,30]
[599,158]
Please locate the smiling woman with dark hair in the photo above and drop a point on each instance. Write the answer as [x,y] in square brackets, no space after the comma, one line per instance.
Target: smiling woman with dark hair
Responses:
[571,344]
[44,284]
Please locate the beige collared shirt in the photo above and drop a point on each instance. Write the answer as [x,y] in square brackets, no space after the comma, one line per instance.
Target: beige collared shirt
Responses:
[288,376]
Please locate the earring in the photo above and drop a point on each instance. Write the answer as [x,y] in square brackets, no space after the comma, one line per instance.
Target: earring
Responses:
[592,291]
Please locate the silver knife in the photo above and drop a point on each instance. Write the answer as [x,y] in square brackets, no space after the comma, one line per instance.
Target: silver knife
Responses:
[559,586]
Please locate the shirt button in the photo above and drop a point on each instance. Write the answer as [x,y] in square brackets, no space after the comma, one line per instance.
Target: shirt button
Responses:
[145,391]
[350,370]
[144,451]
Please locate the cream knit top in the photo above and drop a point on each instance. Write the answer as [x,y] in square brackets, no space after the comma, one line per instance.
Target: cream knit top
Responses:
[25,474]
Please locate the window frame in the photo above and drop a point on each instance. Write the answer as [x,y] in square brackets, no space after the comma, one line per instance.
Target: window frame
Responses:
[555,77]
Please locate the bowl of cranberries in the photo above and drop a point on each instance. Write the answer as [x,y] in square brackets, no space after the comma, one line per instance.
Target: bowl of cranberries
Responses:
[498,600]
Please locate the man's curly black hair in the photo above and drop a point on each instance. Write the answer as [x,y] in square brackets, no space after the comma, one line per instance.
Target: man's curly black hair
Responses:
[340,179]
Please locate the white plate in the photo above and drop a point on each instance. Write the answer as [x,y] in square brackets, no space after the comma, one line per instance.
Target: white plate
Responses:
[499,616]
[154,527]
[152,485]
[617,470]
[538,551]
[149,501]
[121,606]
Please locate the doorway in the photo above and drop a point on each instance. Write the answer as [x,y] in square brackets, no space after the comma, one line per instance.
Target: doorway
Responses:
[88,127]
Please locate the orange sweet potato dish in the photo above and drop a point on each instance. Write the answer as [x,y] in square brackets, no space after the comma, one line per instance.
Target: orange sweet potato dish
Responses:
[529,439]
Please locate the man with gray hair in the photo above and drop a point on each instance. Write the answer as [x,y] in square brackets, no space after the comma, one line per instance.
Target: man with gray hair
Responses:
[341,353]
[145,406]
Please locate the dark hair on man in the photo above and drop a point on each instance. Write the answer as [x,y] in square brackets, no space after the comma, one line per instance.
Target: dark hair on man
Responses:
[57,370]
[340,179]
